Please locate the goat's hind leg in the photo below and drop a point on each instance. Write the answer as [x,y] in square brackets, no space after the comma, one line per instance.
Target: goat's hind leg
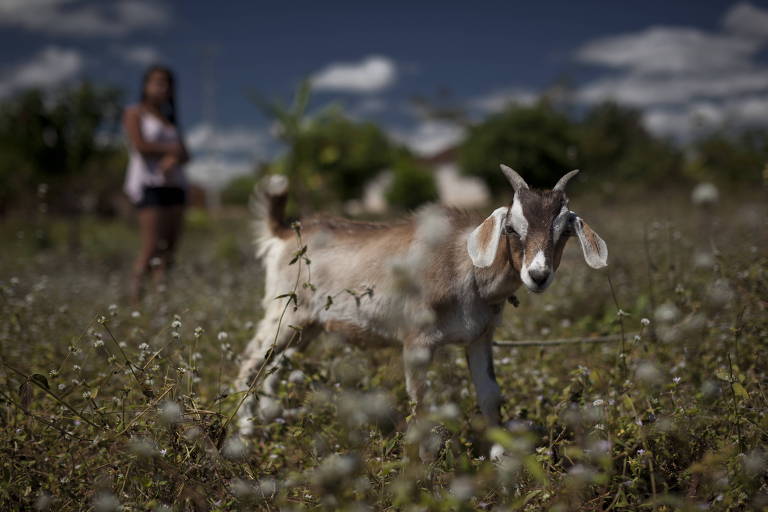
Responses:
[260,362]
[416,360]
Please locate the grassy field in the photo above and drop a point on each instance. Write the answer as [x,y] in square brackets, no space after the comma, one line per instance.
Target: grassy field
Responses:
[103,406]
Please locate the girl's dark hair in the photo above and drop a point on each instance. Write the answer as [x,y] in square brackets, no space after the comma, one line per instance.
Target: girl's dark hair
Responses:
[170,108]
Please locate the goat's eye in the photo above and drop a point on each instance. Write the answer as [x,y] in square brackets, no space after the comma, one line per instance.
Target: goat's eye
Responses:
[508,229]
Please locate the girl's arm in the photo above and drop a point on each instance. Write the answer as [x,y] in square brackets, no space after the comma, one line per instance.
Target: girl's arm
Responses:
[132,127]
[183,154]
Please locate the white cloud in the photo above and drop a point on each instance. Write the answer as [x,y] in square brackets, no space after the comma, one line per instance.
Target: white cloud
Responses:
[747,20]
[496,101]
[372,74]
[141,55]
[95,18]
[240,139]
[686,79]
[684,122]
[370,105]
[50,67]
[431,137]
[215,171]
[642,90]
[669,49]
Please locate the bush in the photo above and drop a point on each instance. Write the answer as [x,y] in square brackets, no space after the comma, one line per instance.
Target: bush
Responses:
[537,141]
[738,158]
[614,145]
[337,156]
[238,191]
[412,185]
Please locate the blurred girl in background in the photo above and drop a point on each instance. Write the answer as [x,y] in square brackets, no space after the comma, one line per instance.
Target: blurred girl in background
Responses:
[155,182]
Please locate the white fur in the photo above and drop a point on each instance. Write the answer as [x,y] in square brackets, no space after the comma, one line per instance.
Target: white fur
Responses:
[519,222]
[538,263]
[483,256]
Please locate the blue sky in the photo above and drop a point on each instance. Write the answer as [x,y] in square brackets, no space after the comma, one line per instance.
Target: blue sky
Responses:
[685,64]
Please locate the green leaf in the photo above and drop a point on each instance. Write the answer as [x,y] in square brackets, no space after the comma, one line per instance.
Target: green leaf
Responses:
[500,436]
[298,254]
[40,379]
[535,469]
[739,390]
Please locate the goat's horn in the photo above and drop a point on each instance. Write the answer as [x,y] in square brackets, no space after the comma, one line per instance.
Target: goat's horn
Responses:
[515,179]
[564,180]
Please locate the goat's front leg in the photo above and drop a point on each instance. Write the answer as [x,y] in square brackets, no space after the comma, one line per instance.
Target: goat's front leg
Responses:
[480,361]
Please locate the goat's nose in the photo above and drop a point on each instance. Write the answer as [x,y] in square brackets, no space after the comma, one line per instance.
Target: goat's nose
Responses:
[539,276]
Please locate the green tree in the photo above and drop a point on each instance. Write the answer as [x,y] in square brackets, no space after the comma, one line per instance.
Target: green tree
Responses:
[538,141]
[412,183]
[60,139]
[60,147]
[736,157]
[329,157]
[614,145]
[238,190]
[339,156]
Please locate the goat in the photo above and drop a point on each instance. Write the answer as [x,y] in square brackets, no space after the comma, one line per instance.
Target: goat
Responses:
[439,277]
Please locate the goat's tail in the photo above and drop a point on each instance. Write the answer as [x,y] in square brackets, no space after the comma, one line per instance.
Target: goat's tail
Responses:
[268,207]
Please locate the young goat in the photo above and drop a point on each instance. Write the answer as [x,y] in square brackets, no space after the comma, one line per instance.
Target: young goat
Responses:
[439,277]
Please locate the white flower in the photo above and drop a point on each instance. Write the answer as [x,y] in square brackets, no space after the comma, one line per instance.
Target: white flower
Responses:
[296,377]
[142,447]
[463,488]
[705,194]
[170,412]
[222,336]
[645,322]
[234,449]
[598,402]
[176,324]
[666,313]
[106,502]
[648,373]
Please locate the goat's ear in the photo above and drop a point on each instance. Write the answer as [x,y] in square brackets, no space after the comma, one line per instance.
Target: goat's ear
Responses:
[594,248]
[483,242]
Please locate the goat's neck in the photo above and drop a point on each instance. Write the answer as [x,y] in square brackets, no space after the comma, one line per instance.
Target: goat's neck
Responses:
[500,280]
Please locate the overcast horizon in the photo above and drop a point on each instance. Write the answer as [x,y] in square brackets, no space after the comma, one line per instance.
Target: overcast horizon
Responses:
[684,64]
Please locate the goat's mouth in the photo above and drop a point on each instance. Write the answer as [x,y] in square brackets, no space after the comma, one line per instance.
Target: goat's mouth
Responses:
[537,285]
[537,289]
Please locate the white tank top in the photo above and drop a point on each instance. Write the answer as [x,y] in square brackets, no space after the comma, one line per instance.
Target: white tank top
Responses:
[144,171]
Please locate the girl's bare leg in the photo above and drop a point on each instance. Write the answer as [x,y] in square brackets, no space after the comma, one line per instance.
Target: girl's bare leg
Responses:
[148,235]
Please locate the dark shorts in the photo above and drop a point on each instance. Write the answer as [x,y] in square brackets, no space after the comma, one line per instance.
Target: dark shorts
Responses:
[162,196]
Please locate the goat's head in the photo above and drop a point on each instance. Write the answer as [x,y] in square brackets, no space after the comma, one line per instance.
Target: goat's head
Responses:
[538,224]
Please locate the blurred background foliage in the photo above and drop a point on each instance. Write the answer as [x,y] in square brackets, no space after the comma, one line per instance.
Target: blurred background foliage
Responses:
[69,143]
